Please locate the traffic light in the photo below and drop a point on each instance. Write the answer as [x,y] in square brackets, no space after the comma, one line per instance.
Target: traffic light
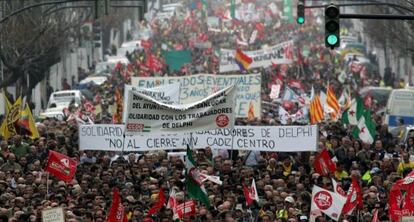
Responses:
[300,12]
[96,9]
[97,33]
[332,39]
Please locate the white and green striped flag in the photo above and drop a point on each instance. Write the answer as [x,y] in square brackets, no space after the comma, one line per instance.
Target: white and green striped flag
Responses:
[193,180]
[365,130]
[354,112]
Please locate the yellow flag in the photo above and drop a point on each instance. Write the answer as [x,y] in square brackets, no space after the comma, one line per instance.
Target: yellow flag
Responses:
[7,129]
[27,121]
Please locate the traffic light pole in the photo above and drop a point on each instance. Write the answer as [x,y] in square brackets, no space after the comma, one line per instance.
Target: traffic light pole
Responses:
[377,16]
[371,16]
[363,4]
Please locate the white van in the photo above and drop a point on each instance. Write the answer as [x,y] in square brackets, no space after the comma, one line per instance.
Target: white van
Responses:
[63,98]
[400,108]
[60,100]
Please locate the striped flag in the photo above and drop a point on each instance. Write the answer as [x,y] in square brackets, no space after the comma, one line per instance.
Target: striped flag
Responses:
[332,103]
[243,60]
[316,110]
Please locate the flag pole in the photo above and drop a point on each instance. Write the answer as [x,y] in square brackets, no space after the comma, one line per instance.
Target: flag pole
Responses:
[47,185]
[186,159]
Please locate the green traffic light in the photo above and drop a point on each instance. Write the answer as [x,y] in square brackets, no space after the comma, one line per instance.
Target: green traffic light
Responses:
[300,20]
[332,39]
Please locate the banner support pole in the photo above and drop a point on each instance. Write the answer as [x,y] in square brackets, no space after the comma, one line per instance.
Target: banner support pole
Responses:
[123,145]
[232,144]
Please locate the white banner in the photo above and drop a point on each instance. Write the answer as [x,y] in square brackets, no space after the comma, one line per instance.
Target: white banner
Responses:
[146,114]
[197,87]
[169,94]
[277,54]
[53,215]
[274,93]
[109,137]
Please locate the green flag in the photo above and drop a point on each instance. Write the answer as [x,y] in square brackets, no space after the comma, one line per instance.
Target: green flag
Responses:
[204,8]
[354,112]
[233,9]
[193,183]
[365,130]
[176,59]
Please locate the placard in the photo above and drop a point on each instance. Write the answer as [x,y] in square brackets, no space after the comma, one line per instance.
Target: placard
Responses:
[277,54]
[109,137]
[275,92]
[53,215]
[145,114]
[196,87]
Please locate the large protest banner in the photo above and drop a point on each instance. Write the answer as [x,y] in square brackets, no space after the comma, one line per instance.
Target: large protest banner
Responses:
[263,138]
[168,93]
[196,87]
[145,114]
[277,54]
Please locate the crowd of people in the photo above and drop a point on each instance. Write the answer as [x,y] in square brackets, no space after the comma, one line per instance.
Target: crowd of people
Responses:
[284,180]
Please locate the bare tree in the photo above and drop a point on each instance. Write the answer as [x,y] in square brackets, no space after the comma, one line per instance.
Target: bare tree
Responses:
[32,41]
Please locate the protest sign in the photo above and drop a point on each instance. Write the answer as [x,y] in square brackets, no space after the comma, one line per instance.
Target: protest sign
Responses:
[196,87]
[53,215]
[262,138]
[277,54]
[145,114]
[169,94]
[274,93]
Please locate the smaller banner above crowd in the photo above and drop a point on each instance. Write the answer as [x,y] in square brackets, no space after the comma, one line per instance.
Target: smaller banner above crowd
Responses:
[168,94]
[145,114]
[109,137]
[196,87]
[278,54]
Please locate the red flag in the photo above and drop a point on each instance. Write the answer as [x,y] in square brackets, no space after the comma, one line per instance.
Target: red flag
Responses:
[157,206]
[323,163]
[153,63]
[406,184]
[395,202]
[187,209]
[249,200]
[354,197]
[117,211]
[63,167]
[250,194]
